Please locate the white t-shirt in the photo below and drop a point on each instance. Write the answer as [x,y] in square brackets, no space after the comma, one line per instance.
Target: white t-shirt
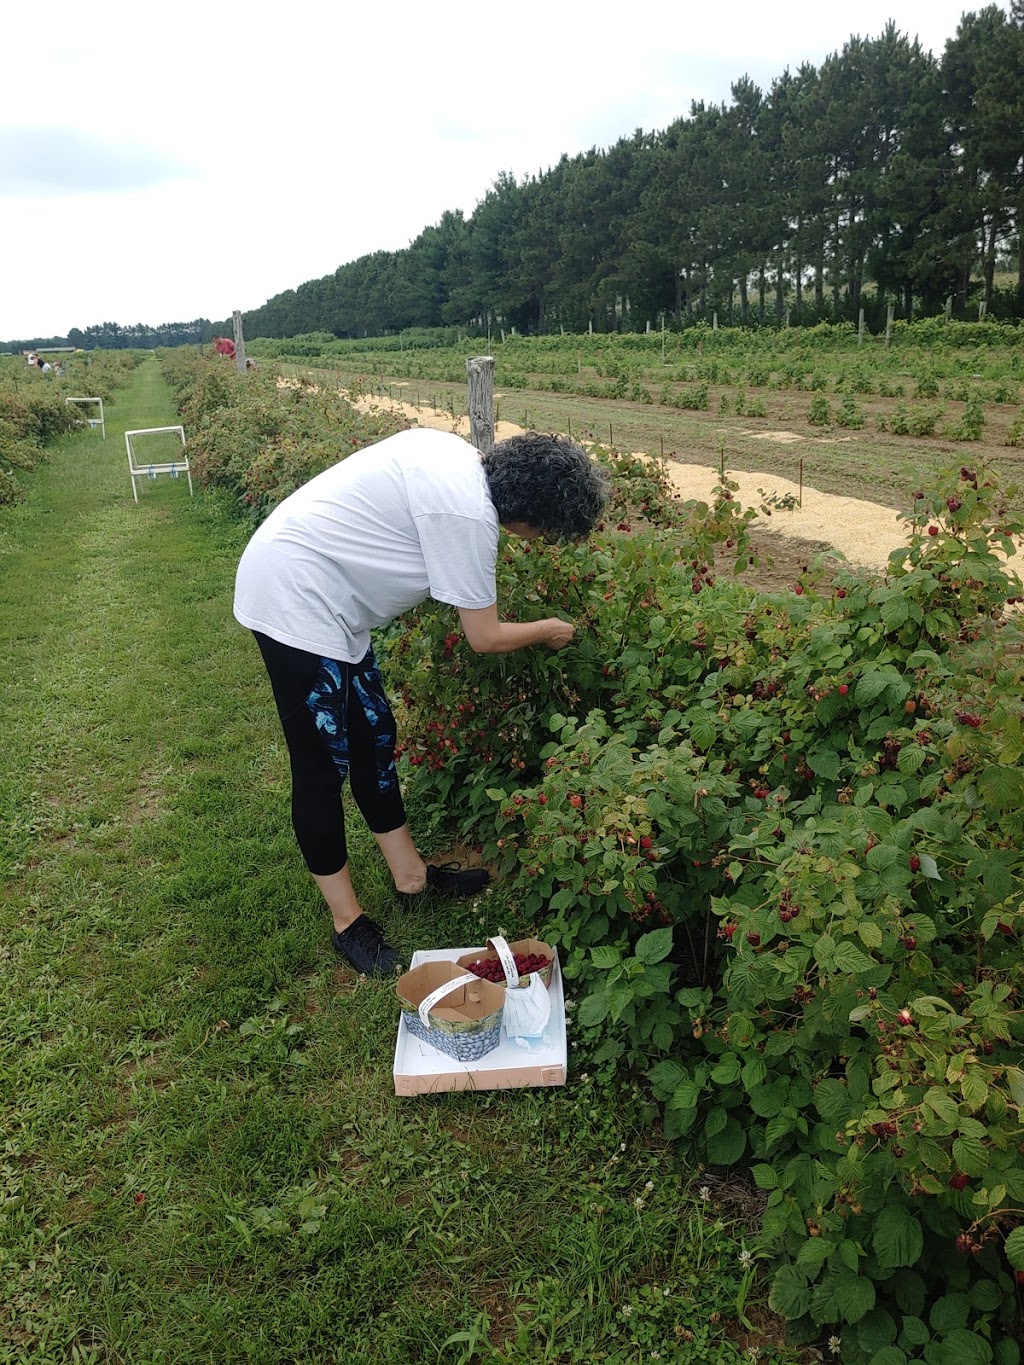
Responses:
[376,534]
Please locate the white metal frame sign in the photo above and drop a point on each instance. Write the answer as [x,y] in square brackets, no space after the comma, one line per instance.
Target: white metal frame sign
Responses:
[94,422]
[138,469]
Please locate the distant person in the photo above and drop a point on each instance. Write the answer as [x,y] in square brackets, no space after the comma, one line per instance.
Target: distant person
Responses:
[45,366]
[414,516]
[224,346]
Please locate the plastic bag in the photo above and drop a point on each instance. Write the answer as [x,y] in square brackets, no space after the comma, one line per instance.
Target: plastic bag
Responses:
[527,1011]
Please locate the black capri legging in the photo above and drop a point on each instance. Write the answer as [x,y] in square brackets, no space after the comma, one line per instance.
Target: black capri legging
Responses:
[337,723]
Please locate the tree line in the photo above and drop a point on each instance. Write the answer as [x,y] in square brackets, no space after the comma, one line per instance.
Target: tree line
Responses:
[884,166]
[139,336]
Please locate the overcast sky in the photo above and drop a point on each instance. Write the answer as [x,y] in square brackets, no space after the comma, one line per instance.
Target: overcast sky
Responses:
[159,164]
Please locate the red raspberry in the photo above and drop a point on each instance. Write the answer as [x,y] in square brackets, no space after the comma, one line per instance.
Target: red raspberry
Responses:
[958,1181]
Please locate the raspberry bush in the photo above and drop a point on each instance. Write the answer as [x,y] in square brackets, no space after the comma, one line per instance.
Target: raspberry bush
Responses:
[777,838]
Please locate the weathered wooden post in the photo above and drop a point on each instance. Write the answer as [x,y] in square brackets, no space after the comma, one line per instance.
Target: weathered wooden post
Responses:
[860,329]
[890,313]
[236,318]
[480,373]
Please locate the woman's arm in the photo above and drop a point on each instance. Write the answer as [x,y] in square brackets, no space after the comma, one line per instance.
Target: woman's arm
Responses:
[487,635]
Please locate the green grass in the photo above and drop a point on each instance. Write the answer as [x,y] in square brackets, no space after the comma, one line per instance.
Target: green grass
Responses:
[203,1158]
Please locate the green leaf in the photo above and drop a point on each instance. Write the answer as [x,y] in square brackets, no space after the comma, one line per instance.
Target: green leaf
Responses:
[914,1331]
[962,1347]
[593,1010]
[986,1296]
[870,933]
[881,856]
[1015,1082]
[897,1240]
[605,957]
[765,1176]
[971,1155]
[727,1072]
[850,960]
[855,1295]
[754,1073]
[1014,1248]
[930,867]
[654,946]
[619,998]
[1007,1352]
[728,1146]
[813,1253]
[889,1355]
[877,1330]
[894,611]
[833,1103]
[716,1121]
[824,763]
[702,731]
[790,1294]
[869,686]
[949,1313]
[1002,787]
[975,1089]
[824,948]
[666,1076]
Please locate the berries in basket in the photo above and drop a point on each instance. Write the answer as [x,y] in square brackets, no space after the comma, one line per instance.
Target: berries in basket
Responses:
[511,964]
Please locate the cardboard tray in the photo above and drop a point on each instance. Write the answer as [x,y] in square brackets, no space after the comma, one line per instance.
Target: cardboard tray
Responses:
[420,1069]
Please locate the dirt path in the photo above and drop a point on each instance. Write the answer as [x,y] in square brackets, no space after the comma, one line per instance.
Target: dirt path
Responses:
[865,532]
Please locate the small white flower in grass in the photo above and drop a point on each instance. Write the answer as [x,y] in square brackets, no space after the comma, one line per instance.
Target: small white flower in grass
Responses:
[627,1309]
[584,1078]
[665,1292]
[754,1352]
[501,931]
[655,1355]
[649,1186]
[638,1202]
[746,1257]
[835,1345]
[622,1146]
[704,1193]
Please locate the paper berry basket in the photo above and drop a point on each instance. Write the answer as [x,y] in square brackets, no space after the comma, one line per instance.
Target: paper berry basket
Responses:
[506,954]
[451,1009]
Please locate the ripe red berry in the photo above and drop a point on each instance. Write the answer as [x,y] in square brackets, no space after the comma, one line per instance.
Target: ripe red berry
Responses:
[576,801]
[645,842]
[843,689]
[754,940]
[933,530]
[958,1181]
[799,589]
[915,863]
[840,592]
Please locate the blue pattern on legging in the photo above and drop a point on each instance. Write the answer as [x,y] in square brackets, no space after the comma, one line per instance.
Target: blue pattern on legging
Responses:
[328,702]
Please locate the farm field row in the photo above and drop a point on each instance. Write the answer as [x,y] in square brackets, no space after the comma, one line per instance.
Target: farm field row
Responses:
[778,439]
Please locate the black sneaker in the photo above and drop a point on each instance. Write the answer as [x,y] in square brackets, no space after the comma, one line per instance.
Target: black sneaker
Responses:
[449,879]
[364,945]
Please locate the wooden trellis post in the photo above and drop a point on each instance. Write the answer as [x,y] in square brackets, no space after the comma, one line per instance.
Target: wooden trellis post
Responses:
[480,373]
[236,318]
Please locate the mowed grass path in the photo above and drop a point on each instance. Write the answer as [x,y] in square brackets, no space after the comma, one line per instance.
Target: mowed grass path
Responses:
[201,1155]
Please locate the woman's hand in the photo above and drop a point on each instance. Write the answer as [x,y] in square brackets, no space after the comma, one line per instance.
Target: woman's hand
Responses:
[559,634]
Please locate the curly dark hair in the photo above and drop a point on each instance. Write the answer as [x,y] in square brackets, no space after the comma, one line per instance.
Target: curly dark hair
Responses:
[547,482]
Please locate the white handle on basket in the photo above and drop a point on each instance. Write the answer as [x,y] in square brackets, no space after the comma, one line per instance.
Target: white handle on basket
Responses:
[429,1001]
[507,959]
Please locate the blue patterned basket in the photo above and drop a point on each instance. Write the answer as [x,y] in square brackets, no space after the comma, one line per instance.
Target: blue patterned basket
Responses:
[464,1030]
